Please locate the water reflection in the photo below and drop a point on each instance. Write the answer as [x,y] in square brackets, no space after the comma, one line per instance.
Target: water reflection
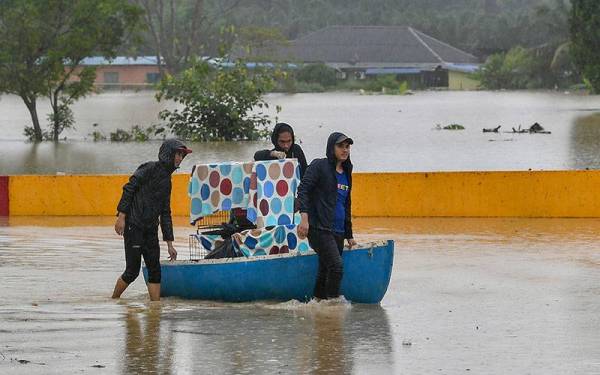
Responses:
[148,349]
[585,142]
[289,337]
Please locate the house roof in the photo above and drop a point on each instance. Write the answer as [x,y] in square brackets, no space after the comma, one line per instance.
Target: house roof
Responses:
[368,45]
[120,60]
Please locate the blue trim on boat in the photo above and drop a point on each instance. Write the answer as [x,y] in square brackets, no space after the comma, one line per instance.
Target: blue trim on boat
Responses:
[367,273]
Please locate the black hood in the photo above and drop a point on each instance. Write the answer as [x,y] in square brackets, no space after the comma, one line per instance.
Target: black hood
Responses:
[166,154]
[281,127]
[330,151]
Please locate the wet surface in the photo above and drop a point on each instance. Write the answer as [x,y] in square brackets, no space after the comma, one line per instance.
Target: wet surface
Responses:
[391,133]
[481,296]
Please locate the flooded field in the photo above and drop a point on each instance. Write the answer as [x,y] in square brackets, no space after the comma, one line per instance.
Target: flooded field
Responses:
[479,296]
[391,133]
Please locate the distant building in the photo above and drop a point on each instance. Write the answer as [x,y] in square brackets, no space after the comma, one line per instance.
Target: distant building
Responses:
[362,51]
[124,72]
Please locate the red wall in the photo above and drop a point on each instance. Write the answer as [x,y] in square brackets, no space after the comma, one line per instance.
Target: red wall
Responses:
[3,195]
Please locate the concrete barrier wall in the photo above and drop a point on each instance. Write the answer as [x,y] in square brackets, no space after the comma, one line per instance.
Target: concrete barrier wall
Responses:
[3,195]
[478,194]
[439,194]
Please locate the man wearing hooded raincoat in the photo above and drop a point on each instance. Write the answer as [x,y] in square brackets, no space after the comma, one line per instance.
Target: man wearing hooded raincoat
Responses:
[325,207]
[146,203]
[285,147]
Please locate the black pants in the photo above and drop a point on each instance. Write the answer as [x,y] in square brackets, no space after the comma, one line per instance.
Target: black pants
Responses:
[141,242]
[328,246]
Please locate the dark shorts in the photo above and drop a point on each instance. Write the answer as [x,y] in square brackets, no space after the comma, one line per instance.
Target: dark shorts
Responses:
[141,242]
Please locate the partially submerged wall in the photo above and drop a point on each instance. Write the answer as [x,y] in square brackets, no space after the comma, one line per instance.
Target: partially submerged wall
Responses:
[438,194]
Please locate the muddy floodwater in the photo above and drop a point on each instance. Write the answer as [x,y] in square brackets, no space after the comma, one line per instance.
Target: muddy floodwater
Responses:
[467,296]
[391,133]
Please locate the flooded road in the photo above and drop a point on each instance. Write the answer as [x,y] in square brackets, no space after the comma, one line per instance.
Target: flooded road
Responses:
[479,296]
[391,133]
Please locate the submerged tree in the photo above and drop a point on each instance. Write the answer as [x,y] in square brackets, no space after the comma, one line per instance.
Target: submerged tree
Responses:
[218,101]
[585,40]
[42,44]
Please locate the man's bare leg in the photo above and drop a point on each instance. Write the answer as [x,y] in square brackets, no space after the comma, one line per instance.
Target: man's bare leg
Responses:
[154,291]
[120,287]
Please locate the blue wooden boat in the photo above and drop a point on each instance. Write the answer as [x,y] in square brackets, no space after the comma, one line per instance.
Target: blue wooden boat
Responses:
[283,277]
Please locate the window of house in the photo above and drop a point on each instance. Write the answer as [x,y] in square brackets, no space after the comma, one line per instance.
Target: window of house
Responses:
[152,77]
[111,77]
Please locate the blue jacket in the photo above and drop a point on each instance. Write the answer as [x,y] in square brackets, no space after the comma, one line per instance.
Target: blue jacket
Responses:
[318,191]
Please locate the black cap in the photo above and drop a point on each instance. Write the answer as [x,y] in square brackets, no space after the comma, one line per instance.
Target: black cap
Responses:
[344,138]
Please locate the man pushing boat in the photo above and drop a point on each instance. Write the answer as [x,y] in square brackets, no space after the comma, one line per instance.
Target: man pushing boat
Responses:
[146,202]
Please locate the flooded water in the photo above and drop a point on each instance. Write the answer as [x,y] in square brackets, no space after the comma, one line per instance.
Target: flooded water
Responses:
[480,296]
[391,133]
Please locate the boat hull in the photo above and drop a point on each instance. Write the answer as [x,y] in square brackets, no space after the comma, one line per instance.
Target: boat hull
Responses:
[367,273]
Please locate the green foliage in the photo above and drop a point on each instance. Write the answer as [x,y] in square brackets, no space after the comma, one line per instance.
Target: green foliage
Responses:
[43,41]
[585,40]
[136,134]
[380,82]
[387,84]
[454,127]
[517,69]
[317,73]
[31,135]
[217,102]
[60,119]
[259,41]
[309,87]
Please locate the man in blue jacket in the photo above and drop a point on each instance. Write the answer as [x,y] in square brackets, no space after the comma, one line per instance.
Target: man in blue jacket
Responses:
[325,207]
[146,202]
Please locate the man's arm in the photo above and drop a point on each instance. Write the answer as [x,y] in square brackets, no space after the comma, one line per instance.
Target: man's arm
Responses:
[262,155]
[166,226]
[307,184]
[129,190]
[166,221]
[299,154]
[348,222]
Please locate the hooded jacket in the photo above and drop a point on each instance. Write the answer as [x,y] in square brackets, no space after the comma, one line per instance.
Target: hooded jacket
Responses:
[146,197]
[295,150]
[318,191]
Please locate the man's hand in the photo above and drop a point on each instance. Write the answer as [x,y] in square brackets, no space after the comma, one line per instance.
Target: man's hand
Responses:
[303,226]
[351,243]
[278,154]
[172,251]
[120,224]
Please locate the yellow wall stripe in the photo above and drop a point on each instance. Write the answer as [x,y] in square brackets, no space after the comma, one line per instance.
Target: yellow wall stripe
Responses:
[459,194]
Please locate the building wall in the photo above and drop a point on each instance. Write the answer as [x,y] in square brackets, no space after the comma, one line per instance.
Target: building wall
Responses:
[128,75]
[438,194]
[461,81]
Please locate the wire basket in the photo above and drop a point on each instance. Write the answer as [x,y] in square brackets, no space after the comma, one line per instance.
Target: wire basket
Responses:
[206,224]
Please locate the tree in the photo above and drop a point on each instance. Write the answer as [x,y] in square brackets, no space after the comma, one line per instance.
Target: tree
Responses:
[519,68]
[317,73]
[43,42]
[217,102]
[585,39]
[178,29]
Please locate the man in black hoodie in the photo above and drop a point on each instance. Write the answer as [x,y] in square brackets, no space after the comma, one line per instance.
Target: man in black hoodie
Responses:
[146,202]
[325,207]
[285,147]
